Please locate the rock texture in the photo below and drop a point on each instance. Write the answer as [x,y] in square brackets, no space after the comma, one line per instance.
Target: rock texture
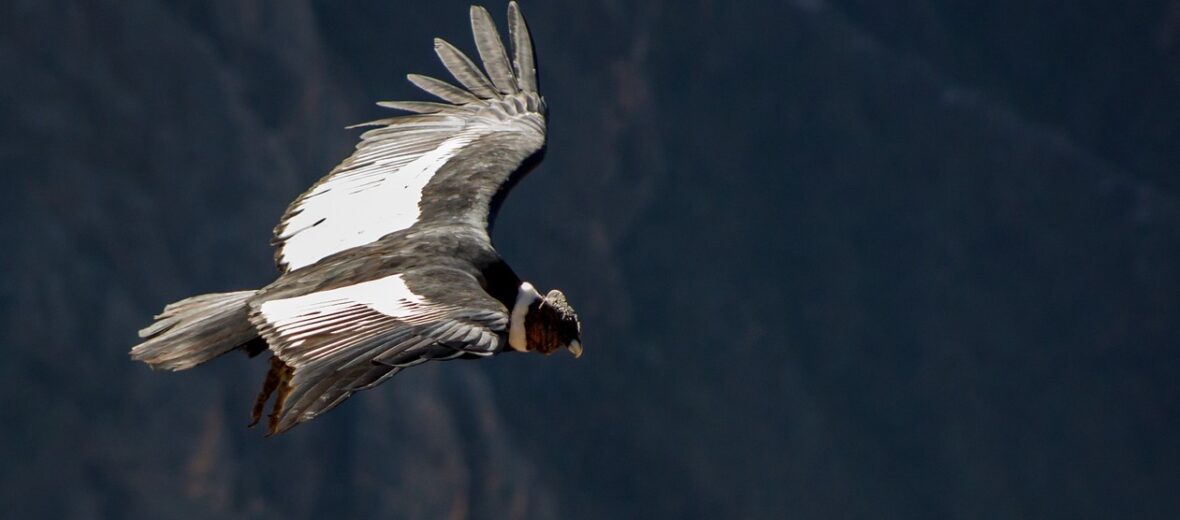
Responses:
[834,260]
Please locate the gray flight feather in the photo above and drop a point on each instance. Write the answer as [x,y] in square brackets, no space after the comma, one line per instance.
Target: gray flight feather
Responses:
[491,50]
[522,44]
[464,70]
[417,107]
[442,89]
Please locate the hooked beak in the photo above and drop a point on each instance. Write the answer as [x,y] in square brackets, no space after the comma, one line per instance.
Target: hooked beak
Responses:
[575,348]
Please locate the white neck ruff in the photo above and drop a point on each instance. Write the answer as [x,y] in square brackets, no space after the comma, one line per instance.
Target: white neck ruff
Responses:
[526,295]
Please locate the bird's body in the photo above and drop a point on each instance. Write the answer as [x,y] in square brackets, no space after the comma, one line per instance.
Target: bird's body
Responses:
[387,261]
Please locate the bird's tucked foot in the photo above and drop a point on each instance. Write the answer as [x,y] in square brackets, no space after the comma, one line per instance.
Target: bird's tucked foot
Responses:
[284,389]
[278,375]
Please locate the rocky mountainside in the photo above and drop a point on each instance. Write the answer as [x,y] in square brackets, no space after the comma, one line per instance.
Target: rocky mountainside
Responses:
[833,260]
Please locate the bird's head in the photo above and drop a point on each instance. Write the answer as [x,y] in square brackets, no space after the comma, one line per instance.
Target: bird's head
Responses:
[545,324]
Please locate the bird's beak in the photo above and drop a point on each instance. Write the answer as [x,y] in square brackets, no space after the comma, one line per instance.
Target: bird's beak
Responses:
[575,348]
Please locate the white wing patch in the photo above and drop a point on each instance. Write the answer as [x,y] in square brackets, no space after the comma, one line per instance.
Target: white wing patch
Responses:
[356,308]
[359,207]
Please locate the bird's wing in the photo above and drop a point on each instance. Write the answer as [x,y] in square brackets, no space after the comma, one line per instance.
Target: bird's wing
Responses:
[447,161]
[338,341]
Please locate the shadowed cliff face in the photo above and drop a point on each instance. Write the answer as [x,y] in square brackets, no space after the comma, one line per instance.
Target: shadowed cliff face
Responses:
[832,260]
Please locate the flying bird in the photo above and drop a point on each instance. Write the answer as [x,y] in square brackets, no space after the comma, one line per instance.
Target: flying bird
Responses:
[387,261]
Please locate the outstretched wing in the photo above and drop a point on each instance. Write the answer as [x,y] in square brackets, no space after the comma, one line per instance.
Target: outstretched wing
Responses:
[339,341]
[447,161]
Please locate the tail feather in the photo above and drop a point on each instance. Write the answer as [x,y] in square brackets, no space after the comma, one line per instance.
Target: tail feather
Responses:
[195,330]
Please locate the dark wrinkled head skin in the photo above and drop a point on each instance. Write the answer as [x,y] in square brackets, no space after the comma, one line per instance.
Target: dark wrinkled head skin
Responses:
[552,324]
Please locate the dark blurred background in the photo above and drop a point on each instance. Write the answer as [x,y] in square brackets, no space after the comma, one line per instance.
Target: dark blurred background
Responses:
[835,259]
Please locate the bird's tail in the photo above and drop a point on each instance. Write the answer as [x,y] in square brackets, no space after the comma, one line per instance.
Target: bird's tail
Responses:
[195,330]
